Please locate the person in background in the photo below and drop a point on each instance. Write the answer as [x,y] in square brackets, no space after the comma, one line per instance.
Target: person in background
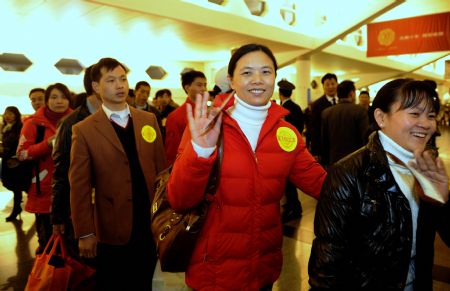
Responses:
[39,202]
[239,246]
[37,98]
[364,99]
[78,100]
[130,97]
[308,125]
[376,220]
[61,217]
[328,99]
[193,83]
[12,124]
[292,207]
[141,94]
[115,156]
[432,142]
[164,97]
[344,126]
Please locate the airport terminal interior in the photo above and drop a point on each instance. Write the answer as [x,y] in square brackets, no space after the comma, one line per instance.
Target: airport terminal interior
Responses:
[49,41]
[18,241]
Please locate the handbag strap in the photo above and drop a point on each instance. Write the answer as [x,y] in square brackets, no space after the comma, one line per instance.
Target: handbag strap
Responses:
[55,241]
[213,180]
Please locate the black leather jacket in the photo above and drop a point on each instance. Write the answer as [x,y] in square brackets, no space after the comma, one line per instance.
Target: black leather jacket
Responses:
[61,158]
[363,228]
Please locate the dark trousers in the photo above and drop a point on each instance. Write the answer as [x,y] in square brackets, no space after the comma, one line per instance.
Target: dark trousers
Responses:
[17,200]
[292,201]
[266,288]
[126,267]
[44,230]
[71,241]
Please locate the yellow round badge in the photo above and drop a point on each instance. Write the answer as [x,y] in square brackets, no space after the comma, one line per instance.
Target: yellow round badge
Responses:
[287,139]
[148,133]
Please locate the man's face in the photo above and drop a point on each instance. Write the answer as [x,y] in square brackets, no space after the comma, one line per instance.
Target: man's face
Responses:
[198,86]
[164,100]
[141,95]
[364,100]
[112,87]
[330,87]
[37,99]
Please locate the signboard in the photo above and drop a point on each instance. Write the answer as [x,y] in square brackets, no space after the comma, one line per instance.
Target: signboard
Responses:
[428,33]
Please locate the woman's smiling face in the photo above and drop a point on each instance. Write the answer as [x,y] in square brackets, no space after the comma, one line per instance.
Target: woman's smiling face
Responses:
[254,78]
[412,127]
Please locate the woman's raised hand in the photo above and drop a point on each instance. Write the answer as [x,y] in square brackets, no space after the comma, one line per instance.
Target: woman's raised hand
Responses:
[433,168]
[204,124]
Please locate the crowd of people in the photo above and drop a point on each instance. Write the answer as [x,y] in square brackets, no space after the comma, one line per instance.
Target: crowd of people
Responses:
[382,191]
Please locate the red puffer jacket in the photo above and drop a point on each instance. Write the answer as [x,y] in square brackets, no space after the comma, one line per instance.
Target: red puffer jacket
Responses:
[175,124]
[239,247]
[38,203]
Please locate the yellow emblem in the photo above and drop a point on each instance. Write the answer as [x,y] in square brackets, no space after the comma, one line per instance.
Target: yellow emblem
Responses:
[386,37]
[287,139]
[148,133]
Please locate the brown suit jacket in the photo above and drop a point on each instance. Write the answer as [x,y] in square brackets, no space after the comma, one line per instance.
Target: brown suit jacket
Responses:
[99,161]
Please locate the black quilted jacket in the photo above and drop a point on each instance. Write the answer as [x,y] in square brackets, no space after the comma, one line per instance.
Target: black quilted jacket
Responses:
[61,158]
[363,228]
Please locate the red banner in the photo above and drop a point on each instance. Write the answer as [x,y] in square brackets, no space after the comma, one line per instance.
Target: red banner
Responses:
[429,33]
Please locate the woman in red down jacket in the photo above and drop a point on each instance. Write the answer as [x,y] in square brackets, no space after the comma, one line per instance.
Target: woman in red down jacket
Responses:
[57,99]
[239,247]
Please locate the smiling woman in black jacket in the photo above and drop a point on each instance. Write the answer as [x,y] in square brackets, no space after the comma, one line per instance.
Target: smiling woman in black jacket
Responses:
[376,219]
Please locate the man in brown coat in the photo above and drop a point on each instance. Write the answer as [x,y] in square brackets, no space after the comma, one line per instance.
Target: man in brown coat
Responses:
[116,154]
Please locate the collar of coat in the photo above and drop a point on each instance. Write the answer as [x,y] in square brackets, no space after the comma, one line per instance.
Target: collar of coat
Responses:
[378,170]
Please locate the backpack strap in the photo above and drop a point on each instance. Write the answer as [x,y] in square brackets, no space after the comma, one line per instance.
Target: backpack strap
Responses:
[40,131]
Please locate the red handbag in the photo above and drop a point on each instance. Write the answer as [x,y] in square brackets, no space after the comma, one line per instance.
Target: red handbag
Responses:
[54,270]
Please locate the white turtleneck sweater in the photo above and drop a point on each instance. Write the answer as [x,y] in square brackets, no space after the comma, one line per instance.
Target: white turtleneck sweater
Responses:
[249,118]
[405,180]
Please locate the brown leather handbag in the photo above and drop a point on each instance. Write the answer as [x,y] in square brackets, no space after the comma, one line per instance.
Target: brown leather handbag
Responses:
[175,232]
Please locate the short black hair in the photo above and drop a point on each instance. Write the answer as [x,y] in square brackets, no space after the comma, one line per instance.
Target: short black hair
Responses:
[87,80]
[248,48]
[329,76]
[344,88]
[364,92]
[161,92]
[188,77]
[141,83]
[285,92]
[36,90]
[109,64]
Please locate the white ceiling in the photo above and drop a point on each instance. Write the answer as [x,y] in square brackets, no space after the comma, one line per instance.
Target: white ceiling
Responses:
[199,31]
[210,28]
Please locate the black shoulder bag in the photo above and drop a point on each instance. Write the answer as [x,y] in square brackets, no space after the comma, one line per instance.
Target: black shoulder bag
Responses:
[25,168]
